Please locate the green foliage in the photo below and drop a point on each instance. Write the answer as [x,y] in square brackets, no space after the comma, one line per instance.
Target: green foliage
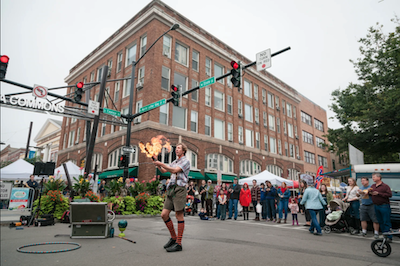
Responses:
[81,186]
[114,186]
[5,163]
[33,160]
[152,186]
[137,188]
[369,109]
[118,204]
[54,184]
[154,205]
[127,205]
[48,205]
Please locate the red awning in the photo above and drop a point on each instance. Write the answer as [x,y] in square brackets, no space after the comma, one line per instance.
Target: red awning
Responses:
[295,184]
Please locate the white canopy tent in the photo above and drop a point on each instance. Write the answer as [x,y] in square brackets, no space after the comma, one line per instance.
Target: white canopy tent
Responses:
[18,170]
[264,176]
[73,171]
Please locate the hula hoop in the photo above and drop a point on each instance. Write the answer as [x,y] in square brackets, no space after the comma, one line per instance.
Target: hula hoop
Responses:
[50,251]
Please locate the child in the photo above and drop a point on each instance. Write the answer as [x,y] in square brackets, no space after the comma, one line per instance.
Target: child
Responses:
[222,205]
[294,209]
[335,214]
[188,206]
[203,214]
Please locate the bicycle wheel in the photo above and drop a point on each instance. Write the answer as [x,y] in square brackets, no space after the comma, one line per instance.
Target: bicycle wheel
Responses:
[381,249]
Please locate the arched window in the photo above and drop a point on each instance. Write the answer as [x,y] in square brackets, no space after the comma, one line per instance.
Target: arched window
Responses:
[249,168]
[97,158]
[169,157]
[276,170]
[113,157]
[293,174]
[219,162]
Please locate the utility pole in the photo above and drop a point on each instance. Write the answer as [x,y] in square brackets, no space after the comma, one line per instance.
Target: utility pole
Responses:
[29,140]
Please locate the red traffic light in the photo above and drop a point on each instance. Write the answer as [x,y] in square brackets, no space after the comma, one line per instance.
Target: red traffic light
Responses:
[234,65]
[79,85]
[174,88]
[4,59]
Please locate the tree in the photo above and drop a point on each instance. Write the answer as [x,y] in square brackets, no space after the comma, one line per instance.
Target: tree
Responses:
[369,110]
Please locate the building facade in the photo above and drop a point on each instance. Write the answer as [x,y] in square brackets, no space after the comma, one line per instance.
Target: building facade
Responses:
[48,139]
[238,132]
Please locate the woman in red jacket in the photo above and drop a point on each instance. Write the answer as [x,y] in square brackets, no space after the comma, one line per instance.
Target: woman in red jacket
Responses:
[245,199]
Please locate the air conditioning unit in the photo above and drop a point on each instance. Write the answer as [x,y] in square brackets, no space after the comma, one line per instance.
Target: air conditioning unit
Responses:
[136,121]
[240,116]
[257,123]
[139,85]
[277,108]
[109,72]
[298,157]
[166,53]
[297,137]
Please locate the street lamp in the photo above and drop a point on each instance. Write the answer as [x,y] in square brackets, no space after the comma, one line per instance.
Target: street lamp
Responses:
[132,91]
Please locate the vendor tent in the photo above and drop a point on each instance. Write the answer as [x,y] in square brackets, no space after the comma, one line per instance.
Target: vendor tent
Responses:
[264,176]
[73,171]
[18,170]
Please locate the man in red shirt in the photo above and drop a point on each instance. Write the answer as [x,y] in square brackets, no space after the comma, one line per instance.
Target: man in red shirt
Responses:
[380,194]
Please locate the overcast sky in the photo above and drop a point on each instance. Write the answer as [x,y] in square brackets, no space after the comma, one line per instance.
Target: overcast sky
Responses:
[45,39]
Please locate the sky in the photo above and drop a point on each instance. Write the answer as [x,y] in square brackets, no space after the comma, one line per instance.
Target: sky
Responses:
[44,39]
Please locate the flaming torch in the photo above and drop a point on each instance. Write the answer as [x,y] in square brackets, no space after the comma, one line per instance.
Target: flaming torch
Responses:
[153,149]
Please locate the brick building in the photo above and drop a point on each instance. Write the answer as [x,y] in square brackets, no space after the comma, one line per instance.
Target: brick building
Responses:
[239,133]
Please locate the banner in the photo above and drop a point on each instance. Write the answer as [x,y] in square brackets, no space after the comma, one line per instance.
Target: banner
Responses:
[19,198]
[5,190]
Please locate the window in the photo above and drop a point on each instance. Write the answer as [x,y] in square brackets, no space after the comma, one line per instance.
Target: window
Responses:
[249,138]
[208,66]
[228,80]
[308,138]
[291,150]
[229,108]
[319,125]
[113,128]
[130,55]
[124,111]
[207,129]
[278,125]
[65,141]
[309,157]
[320,142]
[277,101]
[71,139]
[195,60]
[103,129]
[322,161]
[283,106]
[297,152]
[127,88]
[271,121]
[92,76]
[164,114]
[230,131]
[264,96]
[113,157]
[193,121]
[240,134]
[279,147]
[139,105]
[168,156]
[219,100]
[293,174]
[195,94]
[249,168]
[119,62]
[257,115]
[109,64]
[218,71]
[276,170]
[247,88]
[181,80]
[165,78]
[99,73]
[97,159]
[219,162]
[256,92]
[179,117]
[116,92]
[192,158]
[84,132]
[143,44]
[265,119]
[248,112]
[240,108]
[290,130]
[265,142]
[73,120]
[272,145]
[294,112]
[208,96]
[286,148]
[219,129]
[141,75]
[78,135]
[181,54]
[270,100]
[306,118]
[167,46]
[289,110]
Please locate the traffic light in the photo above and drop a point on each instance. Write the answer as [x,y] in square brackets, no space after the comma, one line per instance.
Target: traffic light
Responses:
[78,91]
[3,66]
[236,74]
[175,94]
[122,160]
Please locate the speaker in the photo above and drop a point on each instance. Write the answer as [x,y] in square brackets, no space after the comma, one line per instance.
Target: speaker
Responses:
[44,168]
[49,168]
[90,230]
[88,212]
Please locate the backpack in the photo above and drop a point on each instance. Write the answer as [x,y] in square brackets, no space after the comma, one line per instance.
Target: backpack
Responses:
[65,217]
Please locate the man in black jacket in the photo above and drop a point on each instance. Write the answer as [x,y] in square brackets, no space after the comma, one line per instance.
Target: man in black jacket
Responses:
[234,191]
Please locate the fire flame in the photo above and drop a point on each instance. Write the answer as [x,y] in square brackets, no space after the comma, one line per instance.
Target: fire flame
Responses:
[153,148]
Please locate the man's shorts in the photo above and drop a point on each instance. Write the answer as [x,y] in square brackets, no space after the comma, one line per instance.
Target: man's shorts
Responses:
[367,213]
[177,199]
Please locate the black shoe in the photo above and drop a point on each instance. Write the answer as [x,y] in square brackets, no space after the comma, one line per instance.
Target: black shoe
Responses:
[174,247]
[229,218]
[169,243]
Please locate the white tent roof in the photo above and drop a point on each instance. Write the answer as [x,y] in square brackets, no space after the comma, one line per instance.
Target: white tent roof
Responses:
[73,171]
[18,170]
[264,176]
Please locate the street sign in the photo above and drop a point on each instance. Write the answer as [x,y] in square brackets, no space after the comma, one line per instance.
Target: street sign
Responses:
[152,106]
[263,60]
[39,91]
[111,112]
[207,82]
[93,107]
[126,149]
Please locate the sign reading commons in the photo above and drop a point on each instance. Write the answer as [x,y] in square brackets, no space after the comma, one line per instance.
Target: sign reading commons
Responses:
[32,103]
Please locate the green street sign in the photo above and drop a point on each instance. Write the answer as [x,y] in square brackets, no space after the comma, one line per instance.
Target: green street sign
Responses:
[111,112]
[207,82]
[152,106]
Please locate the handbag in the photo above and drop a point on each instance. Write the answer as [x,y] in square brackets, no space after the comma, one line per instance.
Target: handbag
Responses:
[239,207]
[259,208]
[196,193]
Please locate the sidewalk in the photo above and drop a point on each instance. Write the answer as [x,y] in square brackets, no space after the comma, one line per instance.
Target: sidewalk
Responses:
[7,216]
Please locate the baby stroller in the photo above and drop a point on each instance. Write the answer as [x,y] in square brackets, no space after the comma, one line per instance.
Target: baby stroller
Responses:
[189,205]
[381,247]
[343,223]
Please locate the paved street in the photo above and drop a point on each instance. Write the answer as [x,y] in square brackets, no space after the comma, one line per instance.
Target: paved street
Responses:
[205,243]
